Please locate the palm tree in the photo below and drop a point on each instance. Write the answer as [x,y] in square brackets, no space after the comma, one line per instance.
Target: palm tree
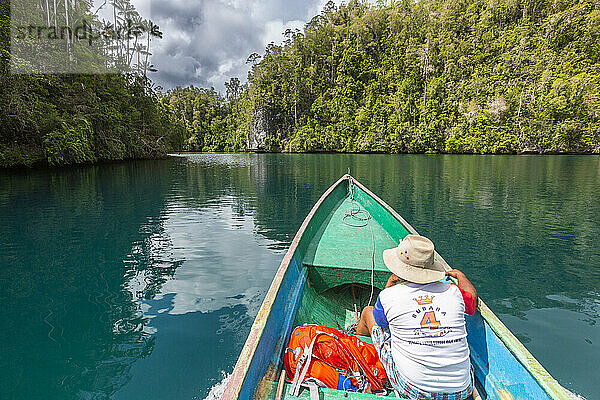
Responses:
[134,28]
[139,49]
[47,13]
[55,18]
[67,24]
[118,6]
[108,30]
[152,30]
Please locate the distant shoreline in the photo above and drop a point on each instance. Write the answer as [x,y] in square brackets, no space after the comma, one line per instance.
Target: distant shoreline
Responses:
[548,153]
[44,165]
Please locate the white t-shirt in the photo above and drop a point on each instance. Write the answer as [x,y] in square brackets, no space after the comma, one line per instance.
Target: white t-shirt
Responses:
[429,337]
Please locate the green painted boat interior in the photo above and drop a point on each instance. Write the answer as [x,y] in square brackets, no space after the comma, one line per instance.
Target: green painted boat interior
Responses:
[345,241]
[343,257]
[353,230]
[335,307]
[326,394]
[343,254]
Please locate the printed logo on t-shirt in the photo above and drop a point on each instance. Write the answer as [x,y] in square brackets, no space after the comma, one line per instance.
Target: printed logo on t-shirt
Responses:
[424,300]
[430,325]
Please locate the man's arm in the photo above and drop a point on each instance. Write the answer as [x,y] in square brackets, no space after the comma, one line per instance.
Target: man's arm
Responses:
[392,280]
[463,282]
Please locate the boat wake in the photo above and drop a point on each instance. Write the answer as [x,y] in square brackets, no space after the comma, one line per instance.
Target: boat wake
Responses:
[216,391]
[573,395]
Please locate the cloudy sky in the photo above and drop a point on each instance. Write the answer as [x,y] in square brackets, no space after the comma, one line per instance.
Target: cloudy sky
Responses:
[206,42]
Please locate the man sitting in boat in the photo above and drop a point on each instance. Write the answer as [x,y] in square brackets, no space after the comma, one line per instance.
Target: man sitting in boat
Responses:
[418,324]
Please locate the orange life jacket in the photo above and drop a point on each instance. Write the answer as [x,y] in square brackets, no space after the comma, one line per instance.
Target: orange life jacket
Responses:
[331,358]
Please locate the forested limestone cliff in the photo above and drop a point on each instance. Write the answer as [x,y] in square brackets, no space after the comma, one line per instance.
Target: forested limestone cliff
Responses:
[452,76]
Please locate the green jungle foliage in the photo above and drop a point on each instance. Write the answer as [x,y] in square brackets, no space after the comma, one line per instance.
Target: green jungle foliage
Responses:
[48,119]
[212,122]
[451,76]
[476,76]
[60,120]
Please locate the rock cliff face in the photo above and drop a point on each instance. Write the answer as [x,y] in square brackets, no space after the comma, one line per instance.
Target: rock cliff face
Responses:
[259,130]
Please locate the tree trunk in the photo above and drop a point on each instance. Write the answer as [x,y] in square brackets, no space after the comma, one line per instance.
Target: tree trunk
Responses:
[296,110]
[68,28]
[128,40]
[332,63]
[147,49]
[128,58]
[426,75]
[47,13]
[117,45]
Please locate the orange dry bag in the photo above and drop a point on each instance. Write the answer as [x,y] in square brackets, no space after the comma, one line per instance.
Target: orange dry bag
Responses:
[327,357]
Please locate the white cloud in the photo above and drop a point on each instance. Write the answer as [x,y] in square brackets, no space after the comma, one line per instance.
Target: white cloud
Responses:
[208,278]
[273,30]
[206,42]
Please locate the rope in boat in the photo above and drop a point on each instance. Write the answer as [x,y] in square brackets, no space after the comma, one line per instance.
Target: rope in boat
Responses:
[358,217]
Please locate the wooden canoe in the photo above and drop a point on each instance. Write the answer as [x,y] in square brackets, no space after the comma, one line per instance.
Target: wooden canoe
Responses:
[326,275]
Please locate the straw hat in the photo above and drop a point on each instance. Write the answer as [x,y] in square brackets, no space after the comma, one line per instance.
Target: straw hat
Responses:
[413,260]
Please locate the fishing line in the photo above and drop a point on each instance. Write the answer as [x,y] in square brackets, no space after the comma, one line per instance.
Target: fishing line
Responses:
[359,217]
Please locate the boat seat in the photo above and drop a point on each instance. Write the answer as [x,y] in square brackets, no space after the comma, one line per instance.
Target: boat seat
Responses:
[326,394]
[333,394]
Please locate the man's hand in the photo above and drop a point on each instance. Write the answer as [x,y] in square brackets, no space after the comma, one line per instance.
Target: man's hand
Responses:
[463,282]
[455,273]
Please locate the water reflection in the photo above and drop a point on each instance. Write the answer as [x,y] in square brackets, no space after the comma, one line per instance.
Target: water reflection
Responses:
[68,328]
[200,315]
[564,339]
[141,279]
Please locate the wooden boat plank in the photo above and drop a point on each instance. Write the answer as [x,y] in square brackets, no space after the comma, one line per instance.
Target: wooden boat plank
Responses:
[266,358]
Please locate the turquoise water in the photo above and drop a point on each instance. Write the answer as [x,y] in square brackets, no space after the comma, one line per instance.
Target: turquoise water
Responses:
[140,280]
